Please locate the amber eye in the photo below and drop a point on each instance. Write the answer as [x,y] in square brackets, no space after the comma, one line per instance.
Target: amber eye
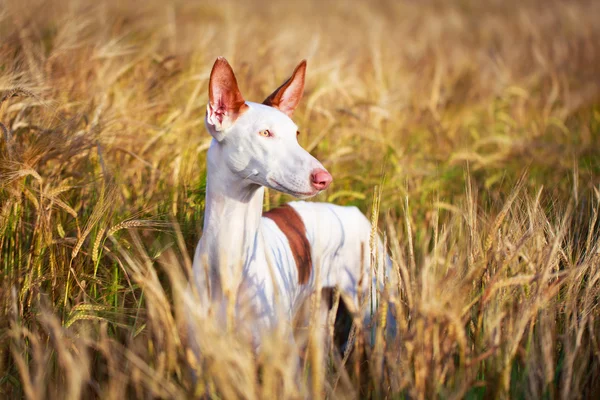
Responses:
[265,133]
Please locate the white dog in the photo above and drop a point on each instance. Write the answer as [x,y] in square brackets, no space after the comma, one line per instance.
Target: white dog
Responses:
[273,261]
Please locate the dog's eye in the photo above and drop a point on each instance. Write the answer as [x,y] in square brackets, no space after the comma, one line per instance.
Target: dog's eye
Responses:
[265,133]
[297,133]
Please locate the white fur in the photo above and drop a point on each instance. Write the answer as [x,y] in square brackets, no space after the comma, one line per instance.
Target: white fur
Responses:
[245,254]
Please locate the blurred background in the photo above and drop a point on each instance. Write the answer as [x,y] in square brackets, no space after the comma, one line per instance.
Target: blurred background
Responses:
[472,126]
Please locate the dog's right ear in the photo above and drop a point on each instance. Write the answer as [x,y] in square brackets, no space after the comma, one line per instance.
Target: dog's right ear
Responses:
[225,101]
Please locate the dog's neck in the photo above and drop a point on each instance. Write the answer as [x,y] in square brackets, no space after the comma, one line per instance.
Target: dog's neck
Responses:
[232,217]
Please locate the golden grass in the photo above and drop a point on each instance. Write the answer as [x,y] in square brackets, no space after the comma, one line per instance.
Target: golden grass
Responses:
[468,130]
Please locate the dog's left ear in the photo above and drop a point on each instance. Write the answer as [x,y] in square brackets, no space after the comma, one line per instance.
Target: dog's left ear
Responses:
[288,95]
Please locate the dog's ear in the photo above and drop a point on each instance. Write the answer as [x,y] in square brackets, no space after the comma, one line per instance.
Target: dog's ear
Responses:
[225,101]
[288,95]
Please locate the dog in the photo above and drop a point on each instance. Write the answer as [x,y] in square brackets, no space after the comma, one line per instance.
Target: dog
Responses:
[264,266]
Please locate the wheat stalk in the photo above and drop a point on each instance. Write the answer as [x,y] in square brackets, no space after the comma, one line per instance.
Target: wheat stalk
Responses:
[127,224]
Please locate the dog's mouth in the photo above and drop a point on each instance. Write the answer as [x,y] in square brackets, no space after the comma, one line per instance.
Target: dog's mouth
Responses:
[294,193]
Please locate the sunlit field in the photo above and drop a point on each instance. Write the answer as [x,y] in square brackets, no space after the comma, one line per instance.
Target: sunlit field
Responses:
[468,131]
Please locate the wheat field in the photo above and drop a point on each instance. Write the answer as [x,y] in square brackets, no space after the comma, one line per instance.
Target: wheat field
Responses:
[469,131]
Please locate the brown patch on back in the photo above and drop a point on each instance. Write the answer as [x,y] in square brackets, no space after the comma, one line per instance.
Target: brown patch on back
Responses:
[290,223]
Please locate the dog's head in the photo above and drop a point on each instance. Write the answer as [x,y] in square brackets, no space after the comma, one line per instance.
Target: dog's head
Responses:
[259,141]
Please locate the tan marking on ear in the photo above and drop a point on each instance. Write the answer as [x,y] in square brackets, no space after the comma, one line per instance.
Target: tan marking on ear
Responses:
[287,96]
[224,95]
[290,223]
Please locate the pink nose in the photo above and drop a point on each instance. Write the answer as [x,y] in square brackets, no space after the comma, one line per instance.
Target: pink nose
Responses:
[320,179]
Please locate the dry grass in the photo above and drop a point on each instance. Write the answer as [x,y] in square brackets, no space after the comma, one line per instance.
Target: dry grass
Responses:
[478,121]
